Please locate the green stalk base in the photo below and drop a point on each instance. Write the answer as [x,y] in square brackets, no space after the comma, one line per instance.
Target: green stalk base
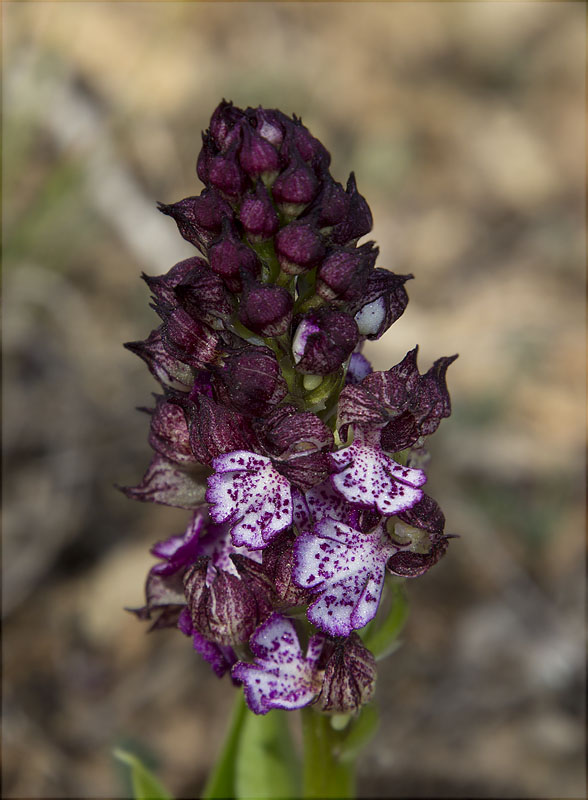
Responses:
[325,774]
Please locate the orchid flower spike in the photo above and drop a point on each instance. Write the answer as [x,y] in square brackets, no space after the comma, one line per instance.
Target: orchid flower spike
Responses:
[300,466]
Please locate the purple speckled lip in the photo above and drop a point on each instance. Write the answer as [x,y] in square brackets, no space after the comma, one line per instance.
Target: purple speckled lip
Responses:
[281,676]
[371,479]
[323,501]
[346,568]
[250,494]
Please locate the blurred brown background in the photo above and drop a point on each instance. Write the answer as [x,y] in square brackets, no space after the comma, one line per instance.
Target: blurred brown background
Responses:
[464,125]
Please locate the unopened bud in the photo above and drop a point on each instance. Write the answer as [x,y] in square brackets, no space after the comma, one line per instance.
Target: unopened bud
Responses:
[266,309]
[358,219]
[258,156]
[299,247]
[225,174]
[225,125]
[343,275]
[258,215]
[199,219]
[331,204]
[295,187]
[228,256]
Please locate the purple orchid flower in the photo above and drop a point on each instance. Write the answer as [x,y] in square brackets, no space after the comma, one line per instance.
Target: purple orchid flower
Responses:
[250,494]
[346,568]
[367,477]
[280,676]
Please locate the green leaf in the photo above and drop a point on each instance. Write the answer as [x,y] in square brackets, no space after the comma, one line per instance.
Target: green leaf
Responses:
[381,637]
[221,783]
[267,766]
[145,784]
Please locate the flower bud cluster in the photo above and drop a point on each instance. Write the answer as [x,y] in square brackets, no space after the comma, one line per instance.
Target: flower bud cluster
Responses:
[301,467]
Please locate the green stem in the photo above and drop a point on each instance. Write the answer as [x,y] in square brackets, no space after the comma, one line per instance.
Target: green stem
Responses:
[221,782]
[325,774]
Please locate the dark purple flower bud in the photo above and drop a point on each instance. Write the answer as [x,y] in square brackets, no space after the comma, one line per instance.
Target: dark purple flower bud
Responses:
[189,340]
[162,286]
[228,256]
[170,485]
[225,610]
[359,368]
[270,124]
[299,247]
[344,273]
[169,435]
[310,148]
[207,153]
[216,429]
[358,219]
[383,302]
[324,339]
[331,204]
[225,125]
[306,470]
[204,295]
[288,432]
[266,309]
[250,381]
[295,187]
[258,215]
[165,368]
[256,577]
[199,219]
[350,677]
[225,174]
[257,156]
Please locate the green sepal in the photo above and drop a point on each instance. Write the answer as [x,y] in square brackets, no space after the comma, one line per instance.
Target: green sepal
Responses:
[145,785]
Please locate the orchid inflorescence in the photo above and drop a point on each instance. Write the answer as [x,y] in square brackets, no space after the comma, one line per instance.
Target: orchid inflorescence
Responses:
[302,467]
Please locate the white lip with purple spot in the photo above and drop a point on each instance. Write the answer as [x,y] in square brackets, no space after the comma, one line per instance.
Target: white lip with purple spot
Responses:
[247,492]
[346,568]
